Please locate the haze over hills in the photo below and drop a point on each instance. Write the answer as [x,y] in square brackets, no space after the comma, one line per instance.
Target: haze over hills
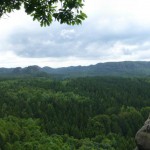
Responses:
[126,68]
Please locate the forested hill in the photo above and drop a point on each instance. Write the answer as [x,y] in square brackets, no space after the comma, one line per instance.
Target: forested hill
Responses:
[126,68]
[90,113]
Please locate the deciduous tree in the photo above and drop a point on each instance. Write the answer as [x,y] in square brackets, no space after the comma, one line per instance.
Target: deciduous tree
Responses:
[45,11]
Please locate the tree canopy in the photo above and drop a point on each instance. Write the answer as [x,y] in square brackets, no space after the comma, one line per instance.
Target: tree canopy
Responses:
[45,11]
[90,113]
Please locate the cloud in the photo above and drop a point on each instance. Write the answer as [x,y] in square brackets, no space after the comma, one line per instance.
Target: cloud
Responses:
[109,34]
[67,34]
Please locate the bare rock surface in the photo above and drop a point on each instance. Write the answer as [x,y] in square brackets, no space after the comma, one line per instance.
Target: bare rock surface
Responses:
[142,137]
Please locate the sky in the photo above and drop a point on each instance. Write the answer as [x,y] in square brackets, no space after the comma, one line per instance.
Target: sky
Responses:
[115,30]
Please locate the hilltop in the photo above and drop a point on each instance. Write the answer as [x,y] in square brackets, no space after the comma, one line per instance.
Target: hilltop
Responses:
[125,69]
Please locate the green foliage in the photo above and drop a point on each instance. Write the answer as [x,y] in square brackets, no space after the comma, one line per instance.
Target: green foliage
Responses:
[145,112]
[45,11]
[97,113]
[22,134]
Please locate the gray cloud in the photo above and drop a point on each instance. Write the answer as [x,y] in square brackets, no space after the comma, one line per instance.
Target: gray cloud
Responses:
[109,34]
[98,37]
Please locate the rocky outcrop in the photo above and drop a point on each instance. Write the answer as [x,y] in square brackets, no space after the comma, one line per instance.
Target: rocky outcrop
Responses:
[142,137]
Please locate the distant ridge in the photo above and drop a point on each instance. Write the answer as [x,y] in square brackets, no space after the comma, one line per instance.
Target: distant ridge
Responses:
[125,68]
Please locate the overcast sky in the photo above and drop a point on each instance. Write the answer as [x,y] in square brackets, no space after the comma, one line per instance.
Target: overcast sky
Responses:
[115,30]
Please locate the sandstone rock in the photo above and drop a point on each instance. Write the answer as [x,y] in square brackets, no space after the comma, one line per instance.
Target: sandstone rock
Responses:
[142,137]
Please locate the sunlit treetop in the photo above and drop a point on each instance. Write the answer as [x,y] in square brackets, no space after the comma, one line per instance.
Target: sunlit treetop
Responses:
[45,11]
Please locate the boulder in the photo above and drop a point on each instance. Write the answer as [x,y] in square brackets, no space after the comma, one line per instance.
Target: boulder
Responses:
[142,137]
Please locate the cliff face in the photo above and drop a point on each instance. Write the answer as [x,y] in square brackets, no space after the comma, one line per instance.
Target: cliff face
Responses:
[142,137]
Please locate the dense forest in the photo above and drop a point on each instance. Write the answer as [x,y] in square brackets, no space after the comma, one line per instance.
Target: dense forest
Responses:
[90,113]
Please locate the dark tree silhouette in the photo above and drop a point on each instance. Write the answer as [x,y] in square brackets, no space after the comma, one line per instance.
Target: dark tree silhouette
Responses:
[45,11]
